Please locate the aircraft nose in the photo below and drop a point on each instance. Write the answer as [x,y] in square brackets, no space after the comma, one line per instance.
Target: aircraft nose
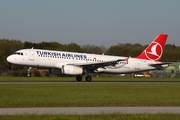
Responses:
[9,59]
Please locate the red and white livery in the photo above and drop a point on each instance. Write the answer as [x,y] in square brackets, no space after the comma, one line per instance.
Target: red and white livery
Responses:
[72,63]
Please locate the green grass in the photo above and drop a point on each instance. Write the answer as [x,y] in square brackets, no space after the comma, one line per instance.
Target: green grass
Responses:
[95,117]
[85,94]
[72,79]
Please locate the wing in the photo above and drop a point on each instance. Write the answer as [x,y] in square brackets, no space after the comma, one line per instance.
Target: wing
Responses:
[95,65]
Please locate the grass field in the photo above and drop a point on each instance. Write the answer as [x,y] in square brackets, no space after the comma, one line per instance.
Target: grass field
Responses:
[116,93]
[85,94]
[95,117]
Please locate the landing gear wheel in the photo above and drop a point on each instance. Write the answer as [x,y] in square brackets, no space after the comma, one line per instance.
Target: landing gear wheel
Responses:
[79,78]
[88,78]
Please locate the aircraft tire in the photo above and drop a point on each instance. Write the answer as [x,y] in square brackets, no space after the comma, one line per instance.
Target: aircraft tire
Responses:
[79,78]
[88,78]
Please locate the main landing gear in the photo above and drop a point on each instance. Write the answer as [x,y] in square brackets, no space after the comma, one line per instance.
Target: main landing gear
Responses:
[88,78]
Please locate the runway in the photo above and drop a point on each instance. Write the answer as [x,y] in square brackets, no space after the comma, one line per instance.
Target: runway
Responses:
[93,82]
[89,110]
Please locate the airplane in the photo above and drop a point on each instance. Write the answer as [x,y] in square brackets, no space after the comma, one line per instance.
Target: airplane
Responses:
[73,63]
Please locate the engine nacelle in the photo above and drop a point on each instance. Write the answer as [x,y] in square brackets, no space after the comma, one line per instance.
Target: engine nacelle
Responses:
[55,71]
[72,70]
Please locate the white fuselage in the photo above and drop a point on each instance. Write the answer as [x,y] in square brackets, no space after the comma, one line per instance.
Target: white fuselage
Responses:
[56,59]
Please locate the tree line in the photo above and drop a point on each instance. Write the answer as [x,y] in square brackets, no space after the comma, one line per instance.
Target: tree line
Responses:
[8,47]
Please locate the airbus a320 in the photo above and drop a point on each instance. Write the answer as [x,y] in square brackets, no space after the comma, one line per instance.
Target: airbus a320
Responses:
[73,63]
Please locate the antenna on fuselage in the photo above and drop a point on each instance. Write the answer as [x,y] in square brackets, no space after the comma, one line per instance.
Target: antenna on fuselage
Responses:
[32,48]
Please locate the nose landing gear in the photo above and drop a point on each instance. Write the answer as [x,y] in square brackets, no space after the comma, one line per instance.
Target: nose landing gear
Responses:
[29,72]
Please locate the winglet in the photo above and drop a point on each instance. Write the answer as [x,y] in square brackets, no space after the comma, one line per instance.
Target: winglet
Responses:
[155,50]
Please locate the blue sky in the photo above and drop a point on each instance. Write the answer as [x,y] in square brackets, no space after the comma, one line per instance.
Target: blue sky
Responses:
[94,22]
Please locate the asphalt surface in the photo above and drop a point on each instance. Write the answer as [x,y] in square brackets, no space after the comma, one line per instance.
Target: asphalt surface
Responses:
[89,110]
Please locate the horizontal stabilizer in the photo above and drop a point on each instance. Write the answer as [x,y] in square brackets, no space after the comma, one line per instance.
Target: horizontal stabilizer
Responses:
[160,65]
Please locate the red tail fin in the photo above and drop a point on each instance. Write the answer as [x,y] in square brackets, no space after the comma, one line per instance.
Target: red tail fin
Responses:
[155,50]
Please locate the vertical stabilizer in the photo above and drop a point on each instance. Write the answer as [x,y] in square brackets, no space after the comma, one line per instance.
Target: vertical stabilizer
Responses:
[155,50]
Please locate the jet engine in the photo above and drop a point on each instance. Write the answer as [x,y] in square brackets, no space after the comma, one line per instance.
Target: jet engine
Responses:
[55,71]
[72,70]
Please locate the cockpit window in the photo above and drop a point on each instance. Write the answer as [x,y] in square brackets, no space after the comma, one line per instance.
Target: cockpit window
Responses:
[18,53]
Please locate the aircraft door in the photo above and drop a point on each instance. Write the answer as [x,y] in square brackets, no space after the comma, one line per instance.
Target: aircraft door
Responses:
[31,55]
